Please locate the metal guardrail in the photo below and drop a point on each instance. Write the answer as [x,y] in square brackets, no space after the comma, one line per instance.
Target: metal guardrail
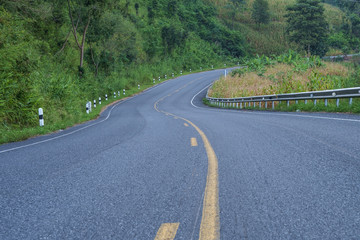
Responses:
[337,94]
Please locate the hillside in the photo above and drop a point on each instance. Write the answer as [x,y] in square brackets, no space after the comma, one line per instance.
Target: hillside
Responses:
[116,45]
[59,54]
[269,39]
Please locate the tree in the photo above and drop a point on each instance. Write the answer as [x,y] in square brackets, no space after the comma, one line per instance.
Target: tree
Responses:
[260,12]
[307,26]
[81,45]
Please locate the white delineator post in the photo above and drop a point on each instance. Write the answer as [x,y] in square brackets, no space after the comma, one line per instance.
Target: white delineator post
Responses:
[87,108]
[94,103]
[106,97]
[114,94]
[138,86]
[41,117]
[124,91]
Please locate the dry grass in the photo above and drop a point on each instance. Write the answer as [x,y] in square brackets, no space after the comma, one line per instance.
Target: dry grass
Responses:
[280,78]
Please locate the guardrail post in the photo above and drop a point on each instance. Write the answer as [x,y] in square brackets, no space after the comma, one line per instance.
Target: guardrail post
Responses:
[241,105]
[41,117]
[287,103]
[254,104]
[305,101]
[337,102]
[326,102]
[350,101]
[266,105]
[314,102]
[273,105]
[297,102]
[260,104]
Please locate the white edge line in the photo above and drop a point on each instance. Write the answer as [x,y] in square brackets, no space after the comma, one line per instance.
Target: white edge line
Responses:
[192,103]
[77,130]
[67,134]
[270,113]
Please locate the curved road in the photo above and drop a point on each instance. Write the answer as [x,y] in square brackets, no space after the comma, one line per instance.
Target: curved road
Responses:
[162,165]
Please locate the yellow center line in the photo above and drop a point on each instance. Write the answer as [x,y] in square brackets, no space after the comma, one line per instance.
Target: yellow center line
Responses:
[210,221]
[193,142]
[167,231]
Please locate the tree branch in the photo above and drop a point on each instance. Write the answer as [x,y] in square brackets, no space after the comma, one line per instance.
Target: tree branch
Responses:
[73,25]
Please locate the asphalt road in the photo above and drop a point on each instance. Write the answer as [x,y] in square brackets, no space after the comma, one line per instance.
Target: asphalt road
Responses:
[134,170]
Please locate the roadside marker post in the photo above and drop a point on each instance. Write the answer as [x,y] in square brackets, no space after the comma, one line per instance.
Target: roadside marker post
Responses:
[41,117]
[114,94]
[139,86]
[94,103]
[124,91]
[87,108]
[99,100]
[106,97]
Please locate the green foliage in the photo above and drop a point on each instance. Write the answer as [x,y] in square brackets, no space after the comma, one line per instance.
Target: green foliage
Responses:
[260,12]
[307,26]
[259,63]
[126,43]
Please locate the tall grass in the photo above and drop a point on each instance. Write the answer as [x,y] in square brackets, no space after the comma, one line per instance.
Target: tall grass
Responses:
[285,74]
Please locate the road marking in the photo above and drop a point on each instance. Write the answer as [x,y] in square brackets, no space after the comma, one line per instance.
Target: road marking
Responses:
[268,112]
[167,231]
[186,125]
[210,221]
[193,142]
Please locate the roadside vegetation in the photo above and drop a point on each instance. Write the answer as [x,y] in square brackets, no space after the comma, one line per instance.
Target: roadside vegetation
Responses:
[289,73]
[58,54]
